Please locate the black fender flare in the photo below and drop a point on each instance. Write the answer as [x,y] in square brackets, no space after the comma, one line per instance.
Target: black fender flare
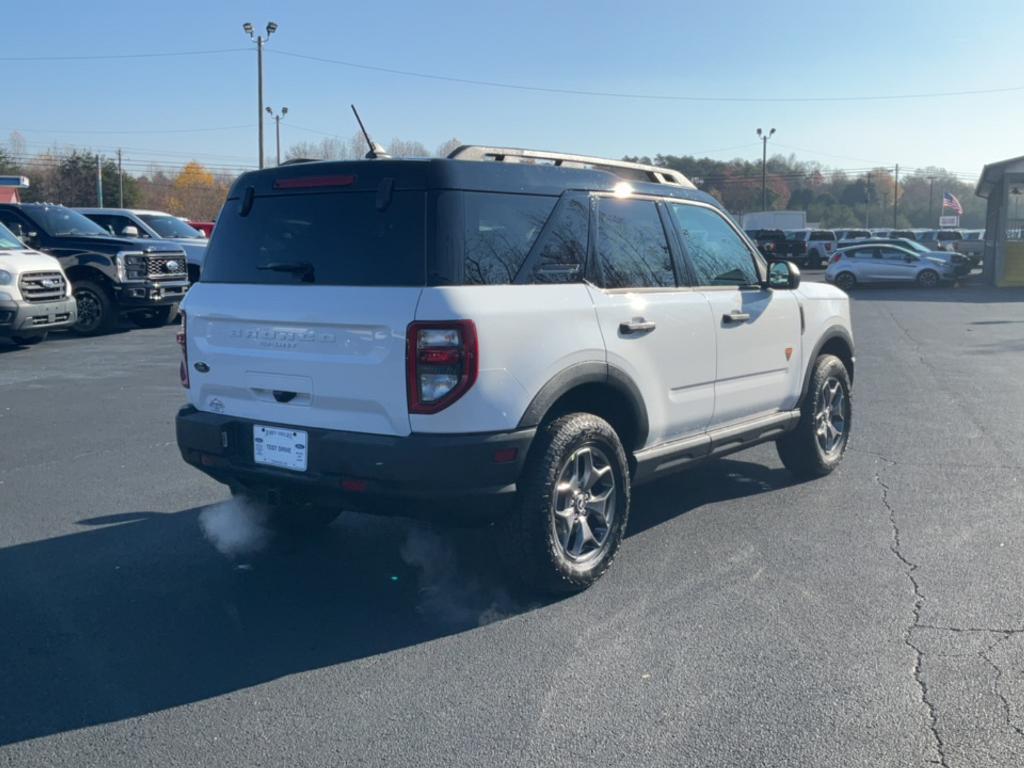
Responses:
[832,332]
[589,373]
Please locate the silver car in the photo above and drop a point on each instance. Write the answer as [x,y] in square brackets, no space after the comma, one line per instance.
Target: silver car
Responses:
[157,225]
[889,263]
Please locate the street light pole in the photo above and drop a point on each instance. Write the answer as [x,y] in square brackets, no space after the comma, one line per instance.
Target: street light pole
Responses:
[764,166]
[260,40]
[277,120]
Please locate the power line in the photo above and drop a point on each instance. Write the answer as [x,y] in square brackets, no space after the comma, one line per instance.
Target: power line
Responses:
[133,131]
[645,96]
[104,56]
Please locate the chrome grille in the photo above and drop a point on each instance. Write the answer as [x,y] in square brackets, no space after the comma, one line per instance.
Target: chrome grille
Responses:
[42,286]
[171,267]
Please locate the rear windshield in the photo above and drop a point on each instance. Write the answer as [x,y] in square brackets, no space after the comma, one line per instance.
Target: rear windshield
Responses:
[335,238]
[823,234]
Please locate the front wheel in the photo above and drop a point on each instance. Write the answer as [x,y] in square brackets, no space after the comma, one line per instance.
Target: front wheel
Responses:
[28,341]
[928,279]
[572,508]
[819,441]
[96,313]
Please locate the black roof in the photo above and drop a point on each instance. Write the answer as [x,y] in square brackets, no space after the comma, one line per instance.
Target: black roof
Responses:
[442,173]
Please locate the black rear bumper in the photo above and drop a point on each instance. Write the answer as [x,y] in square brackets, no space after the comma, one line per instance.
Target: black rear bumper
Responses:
[374,473]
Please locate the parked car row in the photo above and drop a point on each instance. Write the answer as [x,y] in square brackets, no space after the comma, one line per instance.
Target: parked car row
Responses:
[811,248]
[86,270]
[893,260]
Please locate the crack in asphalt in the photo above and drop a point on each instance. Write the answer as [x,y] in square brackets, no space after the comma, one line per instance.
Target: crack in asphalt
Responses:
[1007,713]
[896,547]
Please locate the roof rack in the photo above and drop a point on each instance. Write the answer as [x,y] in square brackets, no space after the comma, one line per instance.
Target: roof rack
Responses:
[639,171]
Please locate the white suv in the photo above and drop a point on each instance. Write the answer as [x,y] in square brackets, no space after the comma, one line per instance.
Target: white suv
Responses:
[513,341]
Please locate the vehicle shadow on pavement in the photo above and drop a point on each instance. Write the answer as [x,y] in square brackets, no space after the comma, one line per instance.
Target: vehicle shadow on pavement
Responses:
[140,612]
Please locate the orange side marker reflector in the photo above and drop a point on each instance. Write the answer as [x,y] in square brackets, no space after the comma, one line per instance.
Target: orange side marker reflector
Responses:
[789,353]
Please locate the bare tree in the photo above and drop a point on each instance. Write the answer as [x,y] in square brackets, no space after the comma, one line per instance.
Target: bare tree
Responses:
[448,147]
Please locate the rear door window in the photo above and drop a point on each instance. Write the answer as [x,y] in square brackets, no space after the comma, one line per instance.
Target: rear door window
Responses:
[632,249]
[718,254]
[339,238]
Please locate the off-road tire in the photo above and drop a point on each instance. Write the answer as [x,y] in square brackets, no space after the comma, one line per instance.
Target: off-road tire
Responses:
[800,450]
[28,341]
[530,545]
[98,300]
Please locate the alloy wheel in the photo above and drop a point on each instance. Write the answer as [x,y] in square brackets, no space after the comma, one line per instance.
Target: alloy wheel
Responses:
[833,416]
[90,310]
[584,502]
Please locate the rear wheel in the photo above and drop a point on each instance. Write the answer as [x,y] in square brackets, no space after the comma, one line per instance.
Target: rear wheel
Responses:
[96,313]
[573,505]
[28,341]
[846,281]
[928,278]
[157,317]
[819,441]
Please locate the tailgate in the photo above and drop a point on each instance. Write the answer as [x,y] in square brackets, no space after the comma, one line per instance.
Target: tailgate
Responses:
[317,356]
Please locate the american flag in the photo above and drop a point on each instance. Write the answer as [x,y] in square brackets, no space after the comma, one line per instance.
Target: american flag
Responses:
[949,201]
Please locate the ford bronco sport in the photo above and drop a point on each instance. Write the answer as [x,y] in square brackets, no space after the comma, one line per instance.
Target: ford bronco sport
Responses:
[516,335]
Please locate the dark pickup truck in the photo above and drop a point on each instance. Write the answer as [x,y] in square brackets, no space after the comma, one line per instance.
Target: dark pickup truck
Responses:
[111,277]
[773,244]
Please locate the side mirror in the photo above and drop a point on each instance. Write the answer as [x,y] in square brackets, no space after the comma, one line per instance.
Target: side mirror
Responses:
[783,275]
[909,259]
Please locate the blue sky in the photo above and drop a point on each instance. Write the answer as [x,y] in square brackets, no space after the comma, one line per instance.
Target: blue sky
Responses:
[723,49]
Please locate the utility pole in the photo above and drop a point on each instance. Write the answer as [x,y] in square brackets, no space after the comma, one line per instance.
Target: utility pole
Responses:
[120,181]
[99,182]
[259,40]
[896,197]
[931,189]
[764,166]
[867,202]
[277,120]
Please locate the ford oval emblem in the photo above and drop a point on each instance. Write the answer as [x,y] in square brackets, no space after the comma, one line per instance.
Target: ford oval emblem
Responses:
[202,367]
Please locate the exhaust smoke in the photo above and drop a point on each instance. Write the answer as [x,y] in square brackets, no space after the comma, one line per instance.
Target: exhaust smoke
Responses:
[236,528]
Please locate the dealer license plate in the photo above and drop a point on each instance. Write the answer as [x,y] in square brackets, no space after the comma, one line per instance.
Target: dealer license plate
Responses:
[276,447]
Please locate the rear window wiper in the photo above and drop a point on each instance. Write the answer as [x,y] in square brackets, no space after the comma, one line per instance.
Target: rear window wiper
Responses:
[301,268]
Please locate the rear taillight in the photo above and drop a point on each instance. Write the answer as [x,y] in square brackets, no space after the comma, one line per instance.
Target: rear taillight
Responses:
[441,363]
[182,338]
[828,246]
[837,257]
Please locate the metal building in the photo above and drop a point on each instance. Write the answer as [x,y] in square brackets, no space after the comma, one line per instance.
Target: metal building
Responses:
[1002,185]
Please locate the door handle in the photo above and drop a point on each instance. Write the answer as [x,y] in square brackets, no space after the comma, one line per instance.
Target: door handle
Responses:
[736,317]
[636,325]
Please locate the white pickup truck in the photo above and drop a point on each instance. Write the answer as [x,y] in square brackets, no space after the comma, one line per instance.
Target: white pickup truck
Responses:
[35,295]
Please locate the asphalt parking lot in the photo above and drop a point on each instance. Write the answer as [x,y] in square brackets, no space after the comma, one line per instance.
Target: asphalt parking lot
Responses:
[870,618]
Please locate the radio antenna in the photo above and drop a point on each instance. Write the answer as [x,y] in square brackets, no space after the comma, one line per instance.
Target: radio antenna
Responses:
[376,152]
